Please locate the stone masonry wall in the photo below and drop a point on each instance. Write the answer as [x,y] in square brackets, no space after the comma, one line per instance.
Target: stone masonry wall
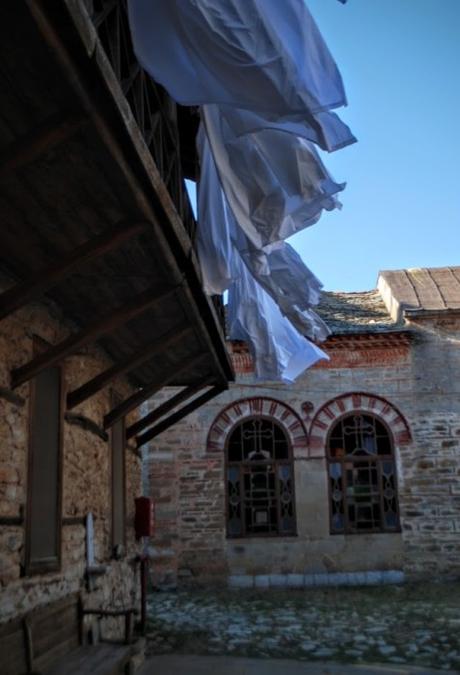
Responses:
[431,466]
[417,379]
[86,477]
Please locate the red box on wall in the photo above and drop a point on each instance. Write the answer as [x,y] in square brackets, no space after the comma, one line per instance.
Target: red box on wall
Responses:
[144,519]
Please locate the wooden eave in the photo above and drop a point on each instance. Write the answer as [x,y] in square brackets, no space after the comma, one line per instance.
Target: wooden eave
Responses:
[430,314]
[73,165]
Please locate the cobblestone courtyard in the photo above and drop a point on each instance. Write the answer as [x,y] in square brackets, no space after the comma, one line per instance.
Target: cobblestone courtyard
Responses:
[414,625]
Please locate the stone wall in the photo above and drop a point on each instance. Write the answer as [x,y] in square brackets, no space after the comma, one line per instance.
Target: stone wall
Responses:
[414,376]
[431,466]
[86,477]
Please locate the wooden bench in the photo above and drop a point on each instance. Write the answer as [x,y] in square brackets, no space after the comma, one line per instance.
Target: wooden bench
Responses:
[50,640]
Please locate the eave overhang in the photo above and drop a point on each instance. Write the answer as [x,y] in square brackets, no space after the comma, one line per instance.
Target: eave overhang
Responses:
[75,172]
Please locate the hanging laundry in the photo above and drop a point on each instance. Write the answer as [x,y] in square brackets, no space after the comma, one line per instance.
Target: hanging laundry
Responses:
[279,352]
[267,84]
[214,246]
[278,269]
[263,55]
[325,129]
[275,182]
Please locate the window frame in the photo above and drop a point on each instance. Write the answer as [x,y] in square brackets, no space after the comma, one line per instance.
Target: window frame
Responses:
[289,461]
[31,567]
[379,459]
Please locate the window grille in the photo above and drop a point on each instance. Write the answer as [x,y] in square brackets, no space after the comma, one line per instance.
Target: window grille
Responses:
[362,477]
[260,480]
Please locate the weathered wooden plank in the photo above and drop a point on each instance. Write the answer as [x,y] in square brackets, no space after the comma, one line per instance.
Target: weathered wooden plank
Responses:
[101,659]
[11,521]
[41,281]
[141,180]
[57,628]
[102,326]
[136,173]
[180,414]
[165,407]
[149,390]
[46,612]
[13,649]
[130,363]
[42,139]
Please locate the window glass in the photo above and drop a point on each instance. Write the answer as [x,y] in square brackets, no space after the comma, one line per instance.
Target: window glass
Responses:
[362,476]
[260,485]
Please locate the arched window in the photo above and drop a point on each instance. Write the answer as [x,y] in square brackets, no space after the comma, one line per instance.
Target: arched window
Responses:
[260,480]
[362,476]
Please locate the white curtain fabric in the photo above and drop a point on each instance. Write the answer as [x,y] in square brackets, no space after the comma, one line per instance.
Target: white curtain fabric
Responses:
[267,85]
[265,55]
[277,268]
[274,181]
[214,245]
[325,129]
[279,352]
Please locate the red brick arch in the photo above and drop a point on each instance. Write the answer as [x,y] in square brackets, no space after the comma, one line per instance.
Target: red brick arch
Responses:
[342,405]
[249,407]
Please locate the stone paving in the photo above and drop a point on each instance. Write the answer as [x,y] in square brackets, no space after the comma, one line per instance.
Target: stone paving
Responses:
[416,625]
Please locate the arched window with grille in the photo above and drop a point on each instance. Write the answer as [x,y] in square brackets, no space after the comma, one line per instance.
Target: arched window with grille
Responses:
[362,476]
[260,480]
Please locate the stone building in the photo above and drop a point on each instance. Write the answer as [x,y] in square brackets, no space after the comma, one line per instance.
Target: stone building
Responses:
[100,306]
[56,467]
[350,475]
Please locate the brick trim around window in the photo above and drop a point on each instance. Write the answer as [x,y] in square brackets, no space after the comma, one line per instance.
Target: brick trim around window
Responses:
[238,411]
[359,402]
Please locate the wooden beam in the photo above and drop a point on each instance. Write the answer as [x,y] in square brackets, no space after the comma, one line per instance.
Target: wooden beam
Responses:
[106,324]
[187,392]
[180,414]
[141,178]
[41,281]
[39,141]
[126,365]
[146,392]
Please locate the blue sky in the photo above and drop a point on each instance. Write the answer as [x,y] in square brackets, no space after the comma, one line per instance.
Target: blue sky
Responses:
[400,60]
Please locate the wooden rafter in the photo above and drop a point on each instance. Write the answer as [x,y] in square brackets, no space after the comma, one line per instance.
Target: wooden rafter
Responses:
[180,414]
[149,390]
[126,365]
[103,326]
[165,407]
[41,281]
[42,139]
[142,177]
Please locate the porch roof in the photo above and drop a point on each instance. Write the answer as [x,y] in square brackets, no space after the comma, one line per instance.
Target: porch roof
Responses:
[91,220]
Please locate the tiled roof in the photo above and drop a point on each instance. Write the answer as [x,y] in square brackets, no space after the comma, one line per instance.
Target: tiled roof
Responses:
[381,310]
[422,288]
[355,312]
